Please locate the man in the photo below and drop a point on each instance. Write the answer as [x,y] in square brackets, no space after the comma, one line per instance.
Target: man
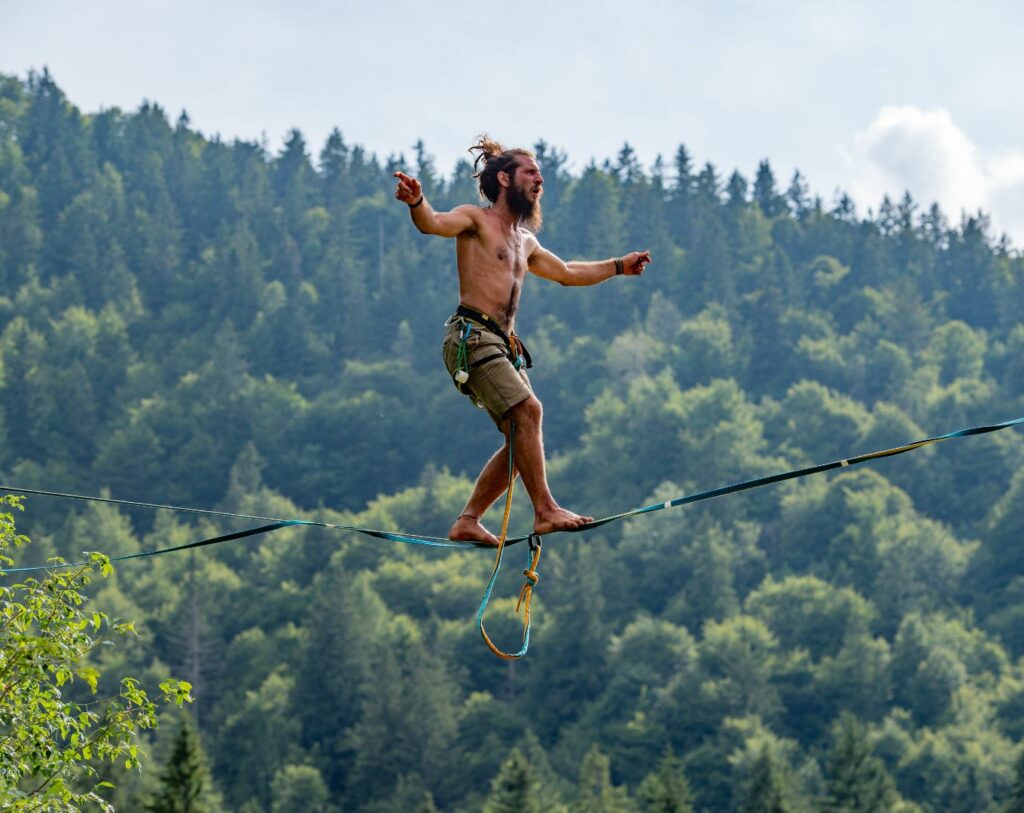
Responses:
[495,247]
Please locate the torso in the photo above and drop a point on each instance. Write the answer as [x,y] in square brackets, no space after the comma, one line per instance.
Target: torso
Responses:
[492,264]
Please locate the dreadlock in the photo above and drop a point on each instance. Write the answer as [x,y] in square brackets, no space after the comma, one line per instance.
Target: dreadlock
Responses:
[495,158]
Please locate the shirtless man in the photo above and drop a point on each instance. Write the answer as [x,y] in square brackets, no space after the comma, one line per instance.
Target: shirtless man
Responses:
[495,247]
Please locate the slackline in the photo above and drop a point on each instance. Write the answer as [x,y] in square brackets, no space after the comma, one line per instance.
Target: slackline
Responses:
[276,523]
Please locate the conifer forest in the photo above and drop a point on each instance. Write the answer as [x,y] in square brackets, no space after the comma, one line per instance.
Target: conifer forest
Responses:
[256,329]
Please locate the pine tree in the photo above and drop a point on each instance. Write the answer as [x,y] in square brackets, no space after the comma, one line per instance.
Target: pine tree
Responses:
[856,779]
[293,178]
[337,660]
[666,790]
[552,162]
[765,194]
[627,166]
[406,718]
[765,791]
[185,782]
[333,161]
[709,265]
[426,171]
[736,193]
[798,196]
[770,354]
[680,202]
[194,642]
[596,793]
[513,789]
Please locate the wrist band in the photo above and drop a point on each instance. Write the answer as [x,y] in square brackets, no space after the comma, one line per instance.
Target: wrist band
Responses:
[620,267]
[417,203]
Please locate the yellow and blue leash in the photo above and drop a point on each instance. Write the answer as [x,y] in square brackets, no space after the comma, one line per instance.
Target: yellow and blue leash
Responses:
[533,559]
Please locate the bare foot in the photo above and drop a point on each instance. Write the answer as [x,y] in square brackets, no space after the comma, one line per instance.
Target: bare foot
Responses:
[467,528]
[558,519]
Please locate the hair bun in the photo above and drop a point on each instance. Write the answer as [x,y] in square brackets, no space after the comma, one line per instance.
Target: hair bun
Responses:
[486,149]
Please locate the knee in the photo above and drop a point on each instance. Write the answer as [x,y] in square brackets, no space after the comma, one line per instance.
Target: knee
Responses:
[528,412]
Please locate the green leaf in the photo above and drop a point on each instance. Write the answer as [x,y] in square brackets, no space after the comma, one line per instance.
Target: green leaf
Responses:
[90,675]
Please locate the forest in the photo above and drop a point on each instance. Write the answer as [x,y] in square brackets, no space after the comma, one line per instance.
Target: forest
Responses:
[256,329]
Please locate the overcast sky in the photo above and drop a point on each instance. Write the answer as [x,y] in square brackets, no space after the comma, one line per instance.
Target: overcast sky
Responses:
[867,96]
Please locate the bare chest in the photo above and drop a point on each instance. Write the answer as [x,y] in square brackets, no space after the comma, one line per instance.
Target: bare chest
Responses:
[492,269]
[504,247]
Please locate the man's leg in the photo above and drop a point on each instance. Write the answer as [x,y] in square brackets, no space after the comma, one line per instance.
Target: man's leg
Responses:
[529,462]
[529,459]
[490,485]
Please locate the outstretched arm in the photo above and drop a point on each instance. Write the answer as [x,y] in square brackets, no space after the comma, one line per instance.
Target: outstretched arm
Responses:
[443,224]
[581,272]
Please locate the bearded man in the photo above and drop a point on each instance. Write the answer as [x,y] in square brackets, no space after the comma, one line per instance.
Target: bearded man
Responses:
[495,246]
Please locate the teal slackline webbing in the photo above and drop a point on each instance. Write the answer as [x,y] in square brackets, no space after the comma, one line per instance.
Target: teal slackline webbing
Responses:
[276,523]
[757,482]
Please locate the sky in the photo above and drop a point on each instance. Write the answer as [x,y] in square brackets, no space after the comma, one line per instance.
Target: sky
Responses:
[867,97]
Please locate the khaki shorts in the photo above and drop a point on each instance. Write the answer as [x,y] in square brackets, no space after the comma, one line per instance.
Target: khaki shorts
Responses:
[496,385]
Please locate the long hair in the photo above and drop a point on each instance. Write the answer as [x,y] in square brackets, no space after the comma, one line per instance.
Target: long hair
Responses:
[495,158]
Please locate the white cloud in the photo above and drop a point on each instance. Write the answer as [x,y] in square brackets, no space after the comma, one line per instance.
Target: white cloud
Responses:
[925,152]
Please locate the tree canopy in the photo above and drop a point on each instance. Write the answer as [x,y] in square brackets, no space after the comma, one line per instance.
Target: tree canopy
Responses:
[255,328]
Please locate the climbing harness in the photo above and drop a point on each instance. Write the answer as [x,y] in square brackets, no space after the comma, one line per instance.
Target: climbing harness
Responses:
[276,523]
[515,349]
[517,352]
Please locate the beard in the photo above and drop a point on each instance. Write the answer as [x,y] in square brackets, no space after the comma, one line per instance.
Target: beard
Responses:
[528,211]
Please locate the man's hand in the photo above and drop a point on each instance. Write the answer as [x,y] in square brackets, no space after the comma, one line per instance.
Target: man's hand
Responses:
[408,190]
[633,263]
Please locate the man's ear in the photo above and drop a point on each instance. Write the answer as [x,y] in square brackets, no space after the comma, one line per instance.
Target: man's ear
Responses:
[504,179]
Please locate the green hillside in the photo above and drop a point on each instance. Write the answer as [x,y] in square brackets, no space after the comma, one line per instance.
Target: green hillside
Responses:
[257,329]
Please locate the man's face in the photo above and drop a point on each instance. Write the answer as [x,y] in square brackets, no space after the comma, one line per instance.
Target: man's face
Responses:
[524,192]
[528,178]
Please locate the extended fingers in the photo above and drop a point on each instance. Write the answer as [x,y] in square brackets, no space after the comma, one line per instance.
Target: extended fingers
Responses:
[406,188]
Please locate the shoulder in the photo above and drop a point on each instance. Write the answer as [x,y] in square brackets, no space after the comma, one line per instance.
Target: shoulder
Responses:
[475,215]
[530,242]
[473,211]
